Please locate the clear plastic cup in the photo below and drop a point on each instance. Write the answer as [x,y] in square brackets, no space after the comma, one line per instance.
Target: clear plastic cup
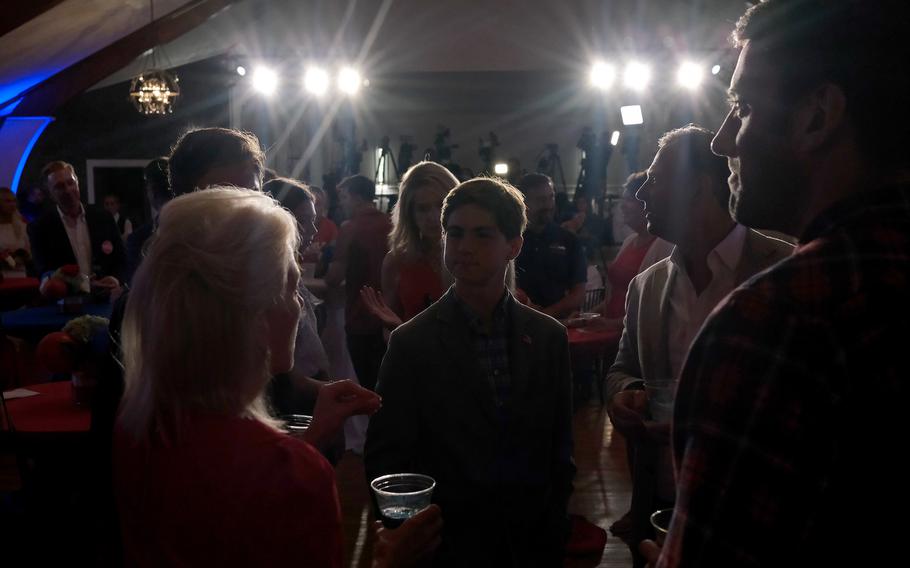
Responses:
[660,520]
[400,496]
[296,424]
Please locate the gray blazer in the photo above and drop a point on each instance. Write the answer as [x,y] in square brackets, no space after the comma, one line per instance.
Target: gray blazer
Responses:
[642,352]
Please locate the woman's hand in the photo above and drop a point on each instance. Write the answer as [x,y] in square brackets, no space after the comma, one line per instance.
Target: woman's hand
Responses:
[336,402]
[374,302]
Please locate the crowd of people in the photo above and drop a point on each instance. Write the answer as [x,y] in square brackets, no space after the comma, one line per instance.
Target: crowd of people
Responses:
[759,385]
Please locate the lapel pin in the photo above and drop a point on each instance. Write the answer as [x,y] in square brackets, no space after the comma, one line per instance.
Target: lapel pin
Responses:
[526,339]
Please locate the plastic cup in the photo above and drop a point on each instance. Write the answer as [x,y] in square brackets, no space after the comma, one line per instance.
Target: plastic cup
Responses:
[400,496]
[660,520]
[296,424]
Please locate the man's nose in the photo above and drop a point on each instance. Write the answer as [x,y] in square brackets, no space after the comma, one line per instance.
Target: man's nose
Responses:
[723,142]
[466,244]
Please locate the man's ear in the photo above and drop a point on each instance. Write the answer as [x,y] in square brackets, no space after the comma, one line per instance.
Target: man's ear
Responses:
[515,247]
[822,113]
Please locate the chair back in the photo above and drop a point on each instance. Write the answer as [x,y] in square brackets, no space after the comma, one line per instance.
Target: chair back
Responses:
[593,297]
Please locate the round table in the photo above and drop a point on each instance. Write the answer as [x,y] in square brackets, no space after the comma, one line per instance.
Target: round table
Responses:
[15,292]
[593,347]
[51,412]
[592,340]
[10,285]
[34,323]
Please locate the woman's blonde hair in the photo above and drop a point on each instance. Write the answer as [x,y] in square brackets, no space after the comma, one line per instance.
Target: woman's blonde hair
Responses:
[405,237]
[195,338]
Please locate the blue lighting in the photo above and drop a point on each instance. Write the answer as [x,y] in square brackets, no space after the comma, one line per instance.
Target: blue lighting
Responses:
[10,91]
[44,121]
[8,109]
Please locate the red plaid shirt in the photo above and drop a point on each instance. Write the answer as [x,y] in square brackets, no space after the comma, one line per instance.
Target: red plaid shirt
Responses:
[792,411]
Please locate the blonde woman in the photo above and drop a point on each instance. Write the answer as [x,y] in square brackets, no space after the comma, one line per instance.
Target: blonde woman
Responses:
[413,276]
[202,474]
[15,251]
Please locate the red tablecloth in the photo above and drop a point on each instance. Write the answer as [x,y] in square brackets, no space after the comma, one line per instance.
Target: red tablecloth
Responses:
[587,336]
[17,292]
[9,285]
[52,411]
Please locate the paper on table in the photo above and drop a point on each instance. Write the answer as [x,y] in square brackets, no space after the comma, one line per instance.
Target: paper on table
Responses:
[19,393]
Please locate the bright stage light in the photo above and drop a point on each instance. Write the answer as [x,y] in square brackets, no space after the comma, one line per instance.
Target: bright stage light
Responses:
[316,81]
[689,75]
[501,169]
[241,70]
[614,138]
[631,115]
[349,81]
[715,70]
[603,75]
[636,76]
[265,80]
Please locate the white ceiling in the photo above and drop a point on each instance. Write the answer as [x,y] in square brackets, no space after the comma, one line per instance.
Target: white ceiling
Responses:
[380,35]
[66,34]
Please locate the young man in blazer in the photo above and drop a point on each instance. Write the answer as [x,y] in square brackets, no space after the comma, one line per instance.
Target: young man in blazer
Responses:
[476,393]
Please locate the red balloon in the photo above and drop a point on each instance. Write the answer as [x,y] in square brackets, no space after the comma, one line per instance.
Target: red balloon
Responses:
[57,352]
[54,289]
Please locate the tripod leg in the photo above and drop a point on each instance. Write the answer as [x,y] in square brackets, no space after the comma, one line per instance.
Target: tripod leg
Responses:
[394,167]
[378,167]
[562,175]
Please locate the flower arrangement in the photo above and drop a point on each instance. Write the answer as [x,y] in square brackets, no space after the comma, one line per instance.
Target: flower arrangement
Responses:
[73,350]
[65,281]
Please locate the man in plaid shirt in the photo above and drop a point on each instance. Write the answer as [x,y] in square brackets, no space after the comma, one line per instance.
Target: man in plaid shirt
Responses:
[789,420]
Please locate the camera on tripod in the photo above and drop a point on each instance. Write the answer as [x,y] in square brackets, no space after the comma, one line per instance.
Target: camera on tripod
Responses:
[405,154]
[442,146]
[587,141]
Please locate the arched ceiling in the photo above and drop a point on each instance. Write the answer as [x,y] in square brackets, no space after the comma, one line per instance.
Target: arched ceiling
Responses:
[53,37]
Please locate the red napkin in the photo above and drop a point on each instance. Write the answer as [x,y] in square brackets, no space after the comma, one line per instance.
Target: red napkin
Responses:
[586,538]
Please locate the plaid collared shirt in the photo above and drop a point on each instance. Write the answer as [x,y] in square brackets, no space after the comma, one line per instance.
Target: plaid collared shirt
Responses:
[491,345]
[791,409]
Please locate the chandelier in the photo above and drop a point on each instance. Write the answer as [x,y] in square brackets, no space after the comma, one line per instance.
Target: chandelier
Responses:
[154,91]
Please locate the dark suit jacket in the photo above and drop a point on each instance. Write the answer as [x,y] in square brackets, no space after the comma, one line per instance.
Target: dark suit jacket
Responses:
[502,484]
[51,247]
[134,244]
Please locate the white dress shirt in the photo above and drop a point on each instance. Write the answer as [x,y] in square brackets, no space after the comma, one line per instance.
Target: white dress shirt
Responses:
[80,241]
[688,310]
[127,226]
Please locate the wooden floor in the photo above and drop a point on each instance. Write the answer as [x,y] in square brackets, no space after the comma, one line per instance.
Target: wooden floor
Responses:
[602,491]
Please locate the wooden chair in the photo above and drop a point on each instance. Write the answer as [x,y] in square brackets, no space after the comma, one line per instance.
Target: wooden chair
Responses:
[593,297]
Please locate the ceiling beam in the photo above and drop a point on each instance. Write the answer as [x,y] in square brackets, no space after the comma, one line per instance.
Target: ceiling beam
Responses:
[46,97]
[18,13]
